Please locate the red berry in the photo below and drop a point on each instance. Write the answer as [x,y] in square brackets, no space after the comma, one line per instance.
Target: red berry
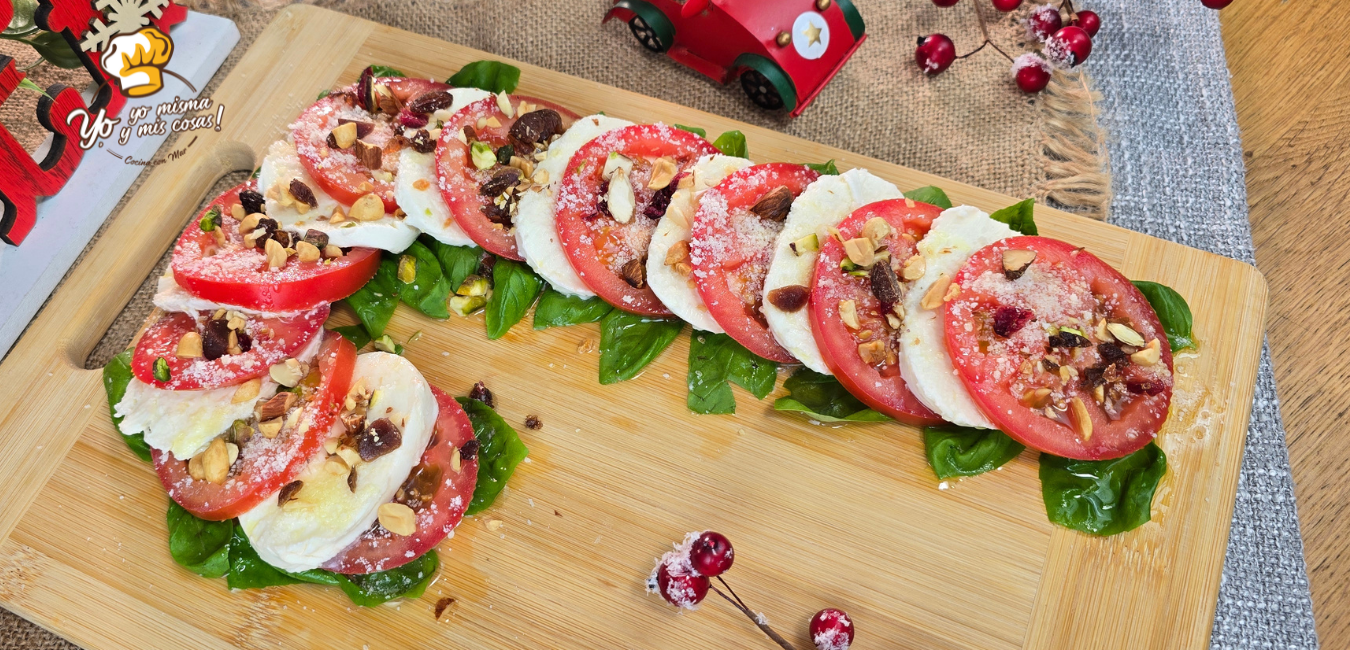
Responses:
[711,554]
[946,3]
[411,120]
[1089,21]
[1007,5]
[679,588]
[1212,4]
[831,629]
[1043,22]
[1069,46]
[1032,74]
[934,54]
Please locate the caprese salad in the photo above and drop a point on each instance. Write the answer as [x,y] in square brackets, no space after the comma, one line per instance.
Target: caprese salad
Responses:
[289,456]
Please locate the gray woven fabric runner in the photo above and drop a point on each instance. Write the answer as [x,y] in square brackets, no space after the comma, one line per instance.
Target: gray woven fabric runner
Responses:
[1176,159]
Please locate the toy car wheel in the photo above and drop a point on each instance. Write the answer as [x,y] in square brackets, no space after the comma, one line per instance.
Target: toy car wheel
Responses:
[760,90]
[646,35]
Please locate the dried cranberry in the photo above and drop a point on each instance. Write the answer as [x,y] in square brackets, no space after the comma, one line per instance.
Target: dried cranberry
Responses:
[1008,320]
[470,450]
[302,193]
[215,339]
[244,340]
[1144,387]
[602,206]
[537,126]
[379,438]
[501,181]
[253,202]
[659,203]
[1111,353]
[481,393]
[411,120]
[422,142]
[497,214]
[430,102]
[1068,340]
[885,285]
[790,298]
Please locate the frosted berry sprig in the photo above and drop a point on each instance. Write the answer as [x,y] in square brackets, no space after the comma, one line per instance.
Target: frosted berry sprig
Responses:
[684,577]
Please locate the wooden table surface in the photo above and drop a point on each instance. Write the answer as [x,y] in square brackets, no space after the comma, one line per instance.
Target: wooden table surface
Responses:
[1291,81]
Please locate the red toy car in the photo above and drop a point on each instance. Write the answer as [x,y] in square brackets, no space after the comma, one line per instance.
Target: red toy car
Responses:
[784,51]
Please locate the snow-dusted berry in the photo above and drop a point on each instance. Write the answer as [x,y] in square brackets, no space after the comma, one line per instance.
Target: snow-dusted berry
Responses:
[946,3]
[1043,21]
[711,554]
[1031,72]
[1089,21]
[678,586]
[1068,47]
[1007,5]
[831,629]
[935,53]
[1216,4]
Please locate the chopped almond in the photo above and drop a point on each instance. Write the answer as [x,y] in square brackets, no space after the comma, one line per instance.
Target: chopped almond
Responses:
[953,292]
[249,223]
[216,462]
[677,253]
[872,352]
[190,346]
[1149,355]
[330,251]
[247,391]
[276,254]
[367,208]
[1037,398]
[270,428]
[663,172]
[936,293]
[877,230]
[848,312]
[1081,419]
[237,211]
[345,135]
[860,251]
[398,519]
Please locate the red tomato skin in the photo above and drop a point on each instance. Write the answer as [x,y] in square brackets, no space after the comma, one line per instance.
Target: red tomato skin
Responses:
[248,487]
[889,395]
[294,287]
[712,270]
[1109,439]
[342,184]
[378,549]
[274,339]
[455,171]
[579,195]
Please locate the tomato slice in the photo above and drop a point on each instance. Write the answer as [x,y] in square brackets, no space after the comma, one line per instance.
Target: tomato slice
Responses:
[462,183]
[597,245]
[998,332]
[439,509]
[263,342]
[341,172]
[227,271]
[731,249]
[875,379]
[266,464]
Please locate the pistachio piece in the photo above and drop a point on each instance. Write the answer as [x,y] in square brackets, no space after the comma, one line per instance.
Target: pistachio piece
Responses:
[1125,334]
[807,244]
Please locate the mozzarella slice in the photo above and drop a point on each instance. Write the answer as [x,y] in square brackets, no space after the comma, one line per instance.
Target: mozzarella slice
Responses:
[821,206]
[536,229]
[679,292]
[184,422]
[281,165]
[925,362]
[171,297]
[422,202]
[326,516]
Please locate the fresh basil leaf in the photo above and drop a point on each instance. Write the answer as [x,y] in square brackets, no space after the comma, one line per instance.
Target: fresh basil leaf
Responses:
[247,570]
[354,333]
[322,93]
[827,168]
[200,546]
[492,76]
[558,310]
[53,47]
[823,398]
[702,133]
[930,194]
[1018,216]
[499,451]
[1102,497]
[732,143]
[457,262]
[386,71]
[116,376]
[407,581]
[967,451]
[628,342]
[429,290]
[715,362]
[374,303]
[514,288]
[1173,313]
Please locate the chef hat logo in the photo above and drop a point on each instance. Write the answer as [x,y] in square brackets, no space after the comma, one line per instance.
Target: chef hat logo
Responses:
[137,61]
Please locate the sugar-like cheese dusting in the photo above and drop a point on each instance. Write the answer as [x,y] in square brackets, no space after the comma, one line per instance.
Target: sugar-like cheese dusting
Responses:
[925,362]
[536,224]
[679,292]
[822,205]
[326,516]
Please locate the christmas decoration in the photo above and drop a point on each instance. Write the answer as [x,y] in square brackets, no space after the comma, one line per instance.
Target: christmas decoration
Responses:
[782,55]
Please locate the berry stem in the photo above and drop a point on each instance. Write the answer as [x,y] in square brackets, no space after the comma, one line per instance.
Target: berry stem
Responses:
[984,29]
[751,615]
[733,592]
[1068,5]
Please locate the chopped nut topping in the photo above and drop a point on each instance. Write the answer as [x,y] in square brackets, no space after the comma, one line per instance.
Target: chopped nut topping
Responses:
[289,492]
[1037,398]
[270,428]
[237,211]
[494,524]
[455,460]
[872,352]
[679,252]
[1149,355]
[936,293]
[216,462]
[1125,334]
[190,346]
[914,268]
[336,466]
[407,269]
[249,223]
[634,272]
[1081,419]
[306,252]
[953,292]
[247,391]
[275,407]
[876,229]
[860,251]
[370,155]
[1101,331]
[195,469]
[848,312]
[332,252]
[276,254]
[663,172]
[1016,261]
[398,519]
[621,201]
[344,136]
[526,167]
[367,208]
[338,215]
[442,604]
[775,205]
[540,177]
[893,321]
[790,298]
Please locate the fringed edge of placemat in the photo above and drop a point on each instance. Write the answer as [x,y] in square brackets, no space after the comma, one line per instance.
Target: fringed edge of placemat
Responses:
[1075,170]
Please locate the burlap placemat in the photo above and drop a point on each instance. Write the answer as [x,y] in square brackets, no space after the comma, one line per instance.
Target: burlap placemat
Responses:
[970,124]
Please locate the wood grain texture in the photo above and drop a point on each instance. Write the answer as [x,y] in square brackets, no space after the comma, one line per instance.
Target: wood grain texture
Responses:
[821,516]
[1294,114]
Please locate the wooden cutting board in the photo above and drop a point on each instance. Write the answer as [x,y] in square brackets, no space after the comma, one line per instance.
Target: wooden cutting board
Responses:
[847,517]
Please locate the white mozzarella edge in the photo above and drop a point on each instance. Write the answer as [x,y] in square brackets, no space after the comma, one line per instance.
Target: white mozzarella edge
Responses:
[282,163]
[535,220]
[822,205]
[306,533]
[171,297]
[678,292]
[426,209]
[925,363]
